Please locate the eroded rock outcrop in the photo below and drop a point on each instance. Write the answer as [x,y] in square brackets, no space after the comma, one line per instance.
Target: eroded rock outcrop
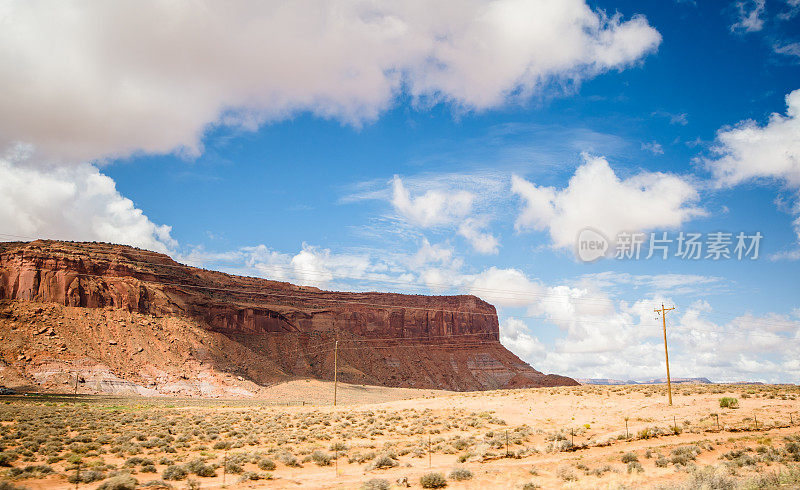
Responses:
[448,342]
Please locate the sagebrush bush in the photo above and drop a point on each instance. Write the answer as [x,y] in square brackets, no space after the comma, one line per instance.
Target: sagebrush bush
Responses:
[384,461]
[728,402]
[460,474]
[376,484]
[266,464]
[433,480]
[322,459]
[174,472]
[629,458]
[119,482]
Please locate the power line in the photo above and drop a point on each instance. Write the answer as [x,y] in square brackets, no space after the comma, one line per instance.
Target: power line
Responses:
[517,295]
[314,296]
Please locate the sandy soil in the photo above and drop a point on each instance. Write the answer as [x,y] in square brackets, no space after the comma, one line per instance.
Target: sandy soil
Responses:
[555,434]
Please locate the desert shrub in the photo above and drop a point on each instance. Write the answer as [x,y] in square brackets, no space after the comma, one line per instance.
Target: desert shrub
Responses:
[6,457]
[629,458]
[566,474]
[662,462]
[433,480]
[635,466]
[86,476]
[148,468]
[199,468]
[338,446]
[222,445]
[174,472]
[712,478]
[32,471]
[233,467]
[384,461]
[157,485]
[728,402]
[119,482]
[206,471]
[266,464]
[138,460]
[531,486]
[322,459]
[7,485]
[254,476]
[376,484]
[684,454]
[460,474]
[289,460]
[192,484]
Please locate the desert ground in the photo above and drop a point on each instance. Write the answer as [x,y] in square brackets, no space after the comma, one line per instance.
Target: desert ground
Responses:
[576,437]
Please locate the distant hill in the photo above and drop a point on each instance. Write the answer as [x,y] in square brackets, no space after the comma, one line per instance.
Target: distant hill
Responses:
[608,381]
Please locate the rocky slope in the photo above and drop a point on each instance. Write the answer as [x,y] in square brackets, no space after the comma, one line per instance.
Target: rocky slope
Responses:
[145,323]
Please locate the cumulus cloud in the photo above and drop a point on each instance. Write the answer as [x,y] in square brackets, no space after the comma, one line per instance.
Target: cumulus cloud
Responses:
[504,287]
[73,203]
[517,337]
[604,338]
[444,207]
[107,79]
[598,334]
[595,197]
[749,151]
[482,241]
[434,208]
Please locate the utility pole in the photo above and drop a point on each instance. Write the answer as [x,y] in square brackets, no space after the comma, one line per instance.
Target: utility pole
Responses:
[335,370]
[429,450]
[663,312]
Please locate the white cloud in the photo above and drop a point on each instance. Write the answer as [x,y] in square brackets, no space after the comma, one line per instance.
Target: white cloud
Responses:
[445,208]
[515,335]
[504,287]
[603,338]
[473,230]
[597,198]
[750,151]
[433,254]
[434,208]
[73,203]
[597,334]
[654,147]
[680,118]
[790,49]
[749,16]
[106,79]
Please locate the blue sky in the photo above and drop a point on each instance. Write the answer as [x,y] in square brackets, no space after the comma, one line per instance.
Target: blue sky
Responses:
[407,150]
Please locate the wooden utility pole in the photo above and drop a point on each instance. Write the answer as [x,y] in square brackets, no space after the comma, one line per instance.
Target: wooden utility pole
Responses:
[429,450]
[663,312]
[335,370]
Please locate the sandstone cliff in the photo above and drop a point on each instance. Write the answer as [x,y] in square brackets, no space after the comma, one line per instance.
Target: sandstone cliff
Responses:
[263,331]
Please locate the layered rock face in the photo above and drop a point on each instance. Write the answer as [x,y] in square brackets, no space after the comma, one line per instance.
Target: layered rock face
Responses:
[447,342]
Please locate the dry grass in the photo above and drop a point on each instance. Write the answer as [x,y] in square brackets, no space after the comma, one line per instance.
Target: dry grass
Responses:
[547,437]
